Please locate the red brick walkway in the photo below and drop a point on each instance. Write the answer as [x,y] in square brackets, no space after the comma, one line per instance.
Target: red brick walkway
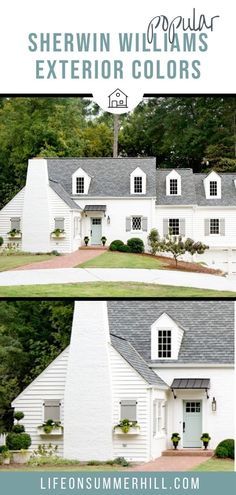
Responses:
[182,463]
[64,261]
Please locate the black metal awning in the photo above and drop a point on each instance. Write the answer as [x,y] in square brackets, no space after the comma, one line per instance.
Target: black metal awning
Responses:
[190,384]
[95,208]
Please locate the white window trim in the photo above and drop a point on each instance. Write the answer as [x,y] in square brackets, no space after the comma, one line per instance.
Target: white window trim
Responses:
[169,225]
[173,175]
[160,427]
[211,233]
[171,336]
[87,179]
[76,178]
[138,172]
[136,230]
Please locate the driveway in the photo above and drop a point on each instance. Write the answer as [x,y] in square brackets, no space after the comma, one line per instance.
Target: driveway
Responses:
[182,463]
[65,261]
[76,275]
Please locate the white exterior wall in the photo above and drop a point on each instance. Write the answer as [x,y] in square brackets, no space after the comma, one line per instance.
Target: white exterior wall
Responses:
[127,384]
[12,209]
[49,385]
[158,442]
[118,210]
[58,208]
[175,212]
[88,392]
[219,424]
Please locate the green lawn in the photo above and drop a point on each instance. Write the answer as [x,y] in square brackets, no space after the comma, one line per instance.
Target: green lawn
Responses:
[108,289]
[61,467]
[14,260]
[111,259]
[215,464]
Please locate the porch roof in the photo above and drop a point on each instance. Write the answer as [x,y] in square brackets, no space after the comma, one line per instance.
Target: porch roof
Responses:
[95,208]
[191,383]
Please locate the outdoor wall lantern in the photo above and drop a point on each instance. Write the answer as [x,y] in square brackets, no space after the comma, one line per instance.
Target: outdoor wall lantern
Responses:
[108,219]
[213,404]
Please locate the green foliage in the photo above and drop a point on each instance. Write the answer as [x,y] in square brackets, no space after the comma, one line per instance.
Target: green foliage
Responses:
[18,441]
[225,448]
[18,415]
[153,240]
[50,425]
[121,461]
[136,245]
[1,241]
[124,249]
[18,428]
[93,462]
[177,247]
[125,425]
[205,437]
[116,245]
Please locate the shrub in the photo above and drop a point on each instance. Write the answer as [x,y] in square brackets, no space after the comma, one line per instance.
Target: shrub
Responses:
[136,245]
[121,461]
[3,449]
[18,441]
[124,249]
[18,428]
[225,448]
[18,415]
[116,245]
[153,241]
[94,463]
[1,241]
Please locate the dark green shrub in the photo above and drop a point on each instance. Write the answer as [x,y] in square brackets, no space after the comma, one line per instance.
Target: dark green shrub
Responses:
[121,461]
[116,245]
[18,415]
[18,441]
[94,463]
[3,449]
[225,448]
[1,241]
[124,249]
[18,428]
[136,245]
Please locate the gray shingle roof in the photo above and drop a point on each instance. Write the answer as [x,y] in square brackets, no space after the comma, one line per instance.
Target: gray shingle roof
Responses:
[228,191]
[109,176]
[209,327]
[60,191]
[188,196]
[127,351]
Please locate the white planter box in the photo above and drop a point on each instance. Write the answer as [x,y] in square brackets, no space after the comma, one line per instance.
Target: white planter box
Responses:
[20,457]
[134,430]
[54,432]
[57,237]
[15,237]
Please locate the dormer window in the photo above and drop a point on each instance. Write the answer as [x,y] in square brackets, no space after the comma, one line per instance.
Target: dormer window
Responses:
[80,182]
[164,344]
[173,186]
[138,181]
[79,185]
[138,185]
[213,188]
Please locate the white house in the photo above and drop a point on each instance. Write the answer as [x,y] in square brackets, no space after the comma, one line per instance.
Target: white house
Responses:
[166,364]
[120,198]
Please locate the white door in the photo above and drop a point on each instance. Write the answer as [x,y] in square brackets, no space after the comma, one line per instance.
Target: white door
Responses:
[192,423]
[96,230]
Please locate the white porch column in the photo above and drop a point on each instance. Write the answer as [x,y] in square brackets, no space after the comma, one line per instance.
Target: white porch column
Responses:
[88,396]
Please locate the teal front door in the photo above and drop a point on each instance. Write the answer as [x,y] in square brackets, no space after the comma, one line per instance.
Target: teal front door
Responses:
[96,230]
[192,423]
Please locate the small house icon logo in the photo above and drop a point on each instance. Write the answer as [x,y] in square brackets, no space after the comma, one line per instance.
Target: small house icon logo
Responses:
[118,99]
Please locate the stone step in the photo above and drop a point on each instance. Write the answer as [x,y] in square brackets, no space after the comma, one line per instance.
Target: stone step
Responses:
[188,452]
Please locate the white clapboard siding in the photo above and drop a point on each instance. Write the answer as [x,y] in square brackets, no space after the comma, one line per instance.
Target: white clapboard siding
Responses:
[58,208]
[12,209]
[127,384]
[48,385]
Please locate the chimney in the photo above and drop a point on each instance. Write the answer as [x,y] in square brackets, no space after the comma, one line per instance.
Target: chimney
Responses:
[88,396]
[36,212]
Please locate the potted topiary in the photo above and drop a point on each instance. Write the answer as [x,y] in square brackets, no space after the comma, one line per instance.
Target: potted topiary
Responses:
[205,438]
[51,427]
[18,441]
[126,426]
[5,455]
[86,240]
[104,240]
[175,438]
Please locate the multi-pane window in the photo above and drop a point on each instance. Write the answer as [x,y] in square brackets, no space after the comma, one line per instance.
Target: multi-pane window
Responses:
[80,185]
[164,343]
[193,407]
[214,226]
[159,417]
[173,186]
[174,226]
[213,188]
[136,223]
[138,184]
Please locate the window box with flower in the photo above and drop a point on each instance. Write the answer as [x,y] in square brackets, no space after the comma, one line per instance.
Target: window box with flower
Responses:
[127,427]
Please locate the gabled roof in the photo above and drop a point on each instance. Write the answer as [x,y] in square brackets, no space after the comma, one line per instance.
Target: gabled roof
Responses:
[109,176]
[228,190]
[60,191]
[127,351]
[208,328]
[187,197]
